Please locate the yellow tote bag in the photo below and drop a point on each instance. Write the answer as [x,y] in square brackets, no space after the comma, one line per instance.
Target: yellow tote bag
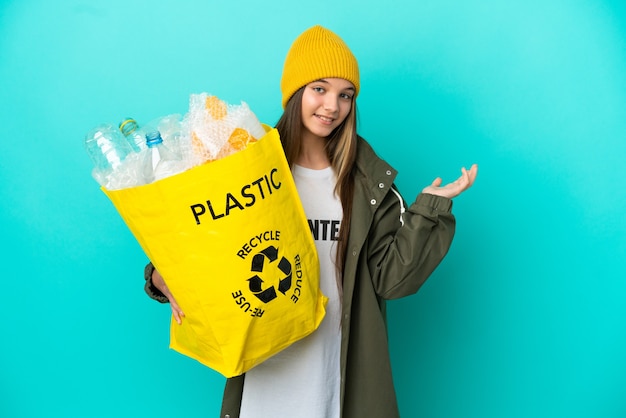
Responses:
[233,244]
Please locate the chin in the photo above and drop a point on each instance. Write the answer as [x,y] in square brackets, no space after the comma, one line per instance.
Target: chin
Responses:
[321,132]
[324,134]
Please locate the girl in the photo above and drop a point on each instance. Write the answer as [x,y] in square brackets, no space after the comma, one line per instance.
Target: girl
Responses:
[371,248]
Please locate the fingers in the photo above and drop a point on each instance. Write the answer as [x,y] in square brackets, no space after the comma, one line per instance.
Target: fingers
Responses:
[467,177]
[177,313]
[455,188]
[159,283]
[473,173]
[464,179]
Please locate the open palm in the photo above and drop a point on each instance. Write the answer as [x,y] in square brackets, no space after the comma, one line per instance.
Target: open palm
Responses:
[455,188]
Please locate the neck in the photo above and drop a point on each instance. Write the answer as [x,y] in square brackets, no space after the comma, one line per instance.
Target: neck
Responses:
[313,152]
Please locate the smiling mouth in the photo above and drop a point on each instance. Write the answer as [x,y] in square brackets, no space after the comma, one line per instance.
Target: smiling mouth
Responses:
[325,119]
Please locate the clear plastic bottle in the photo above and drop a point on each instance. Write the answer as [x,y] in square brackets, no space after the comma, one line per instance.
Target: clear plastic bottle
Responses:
[107,148]
[135,136]
[159,161]
[170,127]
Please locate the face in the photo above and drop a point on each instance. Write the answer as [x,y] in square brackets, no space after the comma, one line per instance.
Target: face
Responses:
[325,105]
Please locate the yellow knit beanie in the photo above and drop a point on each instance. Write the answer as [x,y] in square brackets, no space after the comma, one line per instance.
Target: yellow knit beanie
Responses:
[317,53]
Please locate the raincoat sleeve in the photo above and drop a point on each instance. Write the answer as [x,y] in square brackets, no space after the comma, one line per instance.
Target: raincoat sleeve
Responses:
[150,288]
[405,246]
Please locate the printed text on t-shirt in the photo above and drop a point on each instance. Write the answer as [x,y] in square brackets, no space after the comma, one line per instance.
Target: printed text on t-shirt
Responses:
[324,229]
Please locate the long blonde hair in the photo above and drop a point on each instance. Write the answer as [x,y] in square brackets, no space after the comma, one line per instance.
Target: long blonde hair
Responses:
[341,151]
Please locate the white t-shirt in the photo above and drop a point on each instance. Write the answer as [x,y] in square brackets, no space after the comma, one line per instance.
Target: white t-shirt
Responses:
[303,381]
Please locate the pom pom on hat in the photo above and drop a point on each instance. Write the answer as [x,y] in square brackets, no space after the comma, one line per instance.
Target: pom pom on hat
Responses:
[317,53]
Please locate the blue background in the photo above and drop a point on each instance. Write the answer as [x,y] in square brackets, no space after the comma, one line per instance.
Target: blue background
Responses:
[525,317]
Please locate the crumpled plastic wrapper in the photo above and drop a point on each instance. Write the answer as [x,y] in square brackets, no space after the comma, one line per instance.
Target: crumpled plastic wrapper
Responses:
[214,129]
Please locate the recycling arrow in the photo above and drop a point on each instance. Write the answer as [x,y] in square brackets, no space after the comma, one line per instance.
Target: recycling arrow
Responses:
[258,266]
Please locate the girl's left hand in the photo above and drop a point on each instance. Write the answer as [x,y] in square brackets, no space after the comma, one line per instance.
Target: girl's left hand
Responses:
[455,188]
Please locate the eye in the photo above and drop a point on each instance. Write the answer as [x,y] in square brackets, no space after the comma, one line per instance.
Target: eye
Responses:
[346,96]
[318,89]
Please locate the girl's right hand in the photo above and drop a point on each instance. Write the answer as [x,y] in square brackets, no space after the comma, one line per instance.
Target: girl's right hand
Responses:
[159,283]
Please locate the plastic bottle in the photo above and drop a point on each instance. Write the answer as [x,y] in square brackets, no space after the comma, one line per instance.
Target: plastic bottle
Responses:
[159,161]
[170,127]
[107,148]
[135,136]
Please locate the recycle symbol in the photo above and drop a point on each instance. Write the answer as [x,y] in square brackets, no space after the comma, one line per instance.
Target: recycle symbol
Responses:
[267,258]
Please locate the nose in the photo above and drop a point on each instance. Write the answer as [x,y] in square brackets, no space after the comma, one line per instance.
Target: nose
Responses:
[331,102]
